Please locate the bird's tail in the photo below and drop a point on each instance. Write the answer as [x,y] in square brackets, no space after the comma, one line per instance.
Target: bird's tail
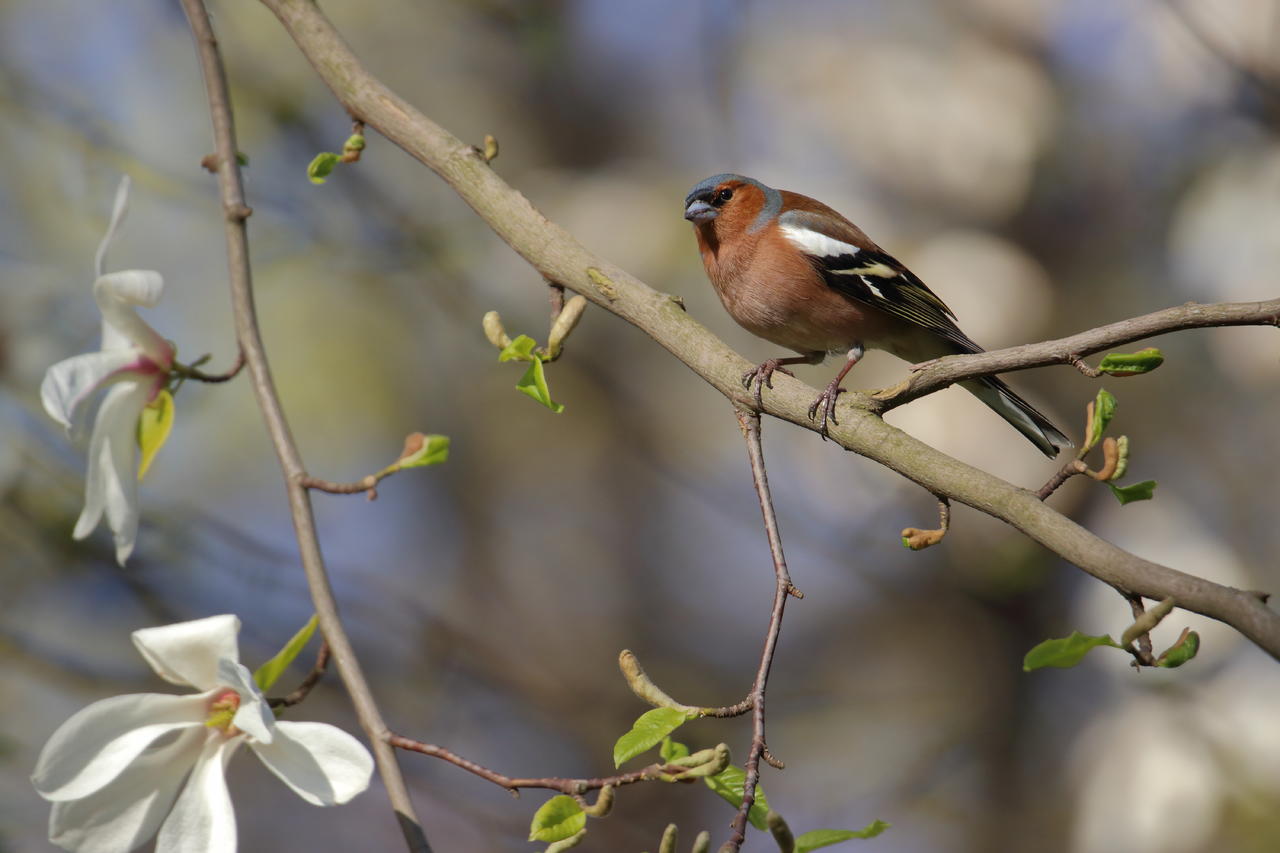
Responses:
[1018,412]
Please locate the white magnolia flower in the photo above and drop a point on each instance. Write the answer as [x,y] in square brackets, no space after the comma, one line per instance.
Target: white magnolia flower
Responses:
[135,361]
[115,771]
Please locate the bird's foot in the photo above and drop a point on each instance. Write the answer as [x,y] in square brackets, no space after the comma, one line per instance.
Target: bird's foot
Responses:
[762,375]
[827,402]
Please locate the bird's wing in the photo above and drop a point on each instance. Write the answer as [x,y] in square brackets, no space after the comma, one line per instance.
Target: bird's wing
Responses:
[858,269]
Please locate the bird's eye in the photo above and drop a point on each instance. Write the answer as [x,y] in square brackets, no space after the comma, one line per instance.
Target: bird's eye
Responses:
[723,196]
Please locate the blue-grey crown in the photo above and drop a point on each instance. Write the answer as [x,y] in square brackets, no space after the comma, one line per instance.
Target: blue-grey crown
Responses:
[772,198]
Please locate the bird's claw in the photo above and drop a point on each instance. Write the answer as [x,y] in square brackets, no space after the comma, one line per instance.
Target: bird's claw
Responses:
[827,401]
[762,376]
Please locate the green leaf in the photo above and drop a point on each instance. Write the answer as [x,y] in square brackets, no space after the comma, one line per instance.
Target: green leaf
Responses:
[1182,651]
[826,837]
[730,784]
[534,384]
[434,450]
[521,349]
[1143,491]
[355,142]
[650,729]
[1131,364]
[1104,409]
[274,668]
[1064,652]
[322,166]
[154,425]
[558,818]
[242,158]
[672,749]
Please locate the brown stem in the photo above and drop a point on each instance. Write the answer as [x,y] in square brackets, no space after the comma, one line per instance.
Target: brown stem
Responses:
[1066,472]
[1084,367]
[731,710]
[1069,350]
[749,421]
[917,539]
[193,372]
[514,783]
[250,338]
[312,679]
[1146,655]
[365,484]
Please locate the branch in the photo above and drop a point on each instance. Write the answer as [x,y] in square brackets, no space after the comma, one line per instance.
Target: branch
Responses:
[572,787]
[951,369]
[313,678]
[192,371]
[560,258]
[246,324]
[749,421]
[1145,654]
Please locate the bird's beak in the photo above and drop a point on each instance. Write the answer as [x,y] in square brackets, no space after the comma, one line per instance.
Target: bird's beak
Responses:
[699,211]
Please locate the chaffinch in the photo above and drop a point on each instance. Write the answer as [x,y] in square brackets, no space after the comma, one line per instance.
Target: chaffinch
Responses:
[793,271]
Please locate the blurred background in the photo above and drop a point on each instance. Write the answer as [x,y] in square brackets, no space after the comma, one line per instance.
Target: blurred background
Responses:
[1045,166]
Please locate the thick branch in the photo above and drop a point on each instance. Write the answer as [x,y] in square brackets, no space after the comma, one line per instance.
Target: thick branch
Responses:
[246,323]
[560,258]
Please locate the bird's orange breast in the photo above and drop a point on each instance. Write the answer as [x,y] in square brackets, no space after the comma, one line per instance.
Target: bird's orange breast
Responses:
[775,293]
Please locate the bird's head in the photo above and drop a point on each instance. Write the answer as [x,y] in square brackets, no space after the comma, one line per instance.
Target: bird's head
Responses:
[730,204]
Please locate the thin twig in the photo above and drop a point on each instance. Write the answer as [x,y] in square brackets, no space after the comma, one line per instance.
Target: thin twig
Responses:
[192,371]
[731,710]
[514,783]
[1146,655]
[236,212]
[415,443]
[312,679]
[1066,472]
[1083,366]
[367,484]
[364,484]
[954,368]
[749,421]
[917,539]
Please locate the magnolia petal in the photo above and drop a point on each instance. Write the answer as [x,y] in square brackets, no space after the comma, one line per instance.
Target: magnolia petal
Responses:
[321,763]
[70,382]
[187,653]
[117,217]
[203,819]
[125,814]
[129,287]
[111,483]
[92,748]
[117,293]
[254,716]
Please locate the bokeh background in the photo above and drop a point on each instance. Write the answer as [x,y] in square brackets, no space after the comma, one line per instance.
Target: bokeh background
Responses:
[1045,166]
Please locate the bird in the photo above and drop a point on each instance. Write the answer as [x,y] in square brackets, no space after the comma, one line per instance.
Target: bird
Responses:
[793,271]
